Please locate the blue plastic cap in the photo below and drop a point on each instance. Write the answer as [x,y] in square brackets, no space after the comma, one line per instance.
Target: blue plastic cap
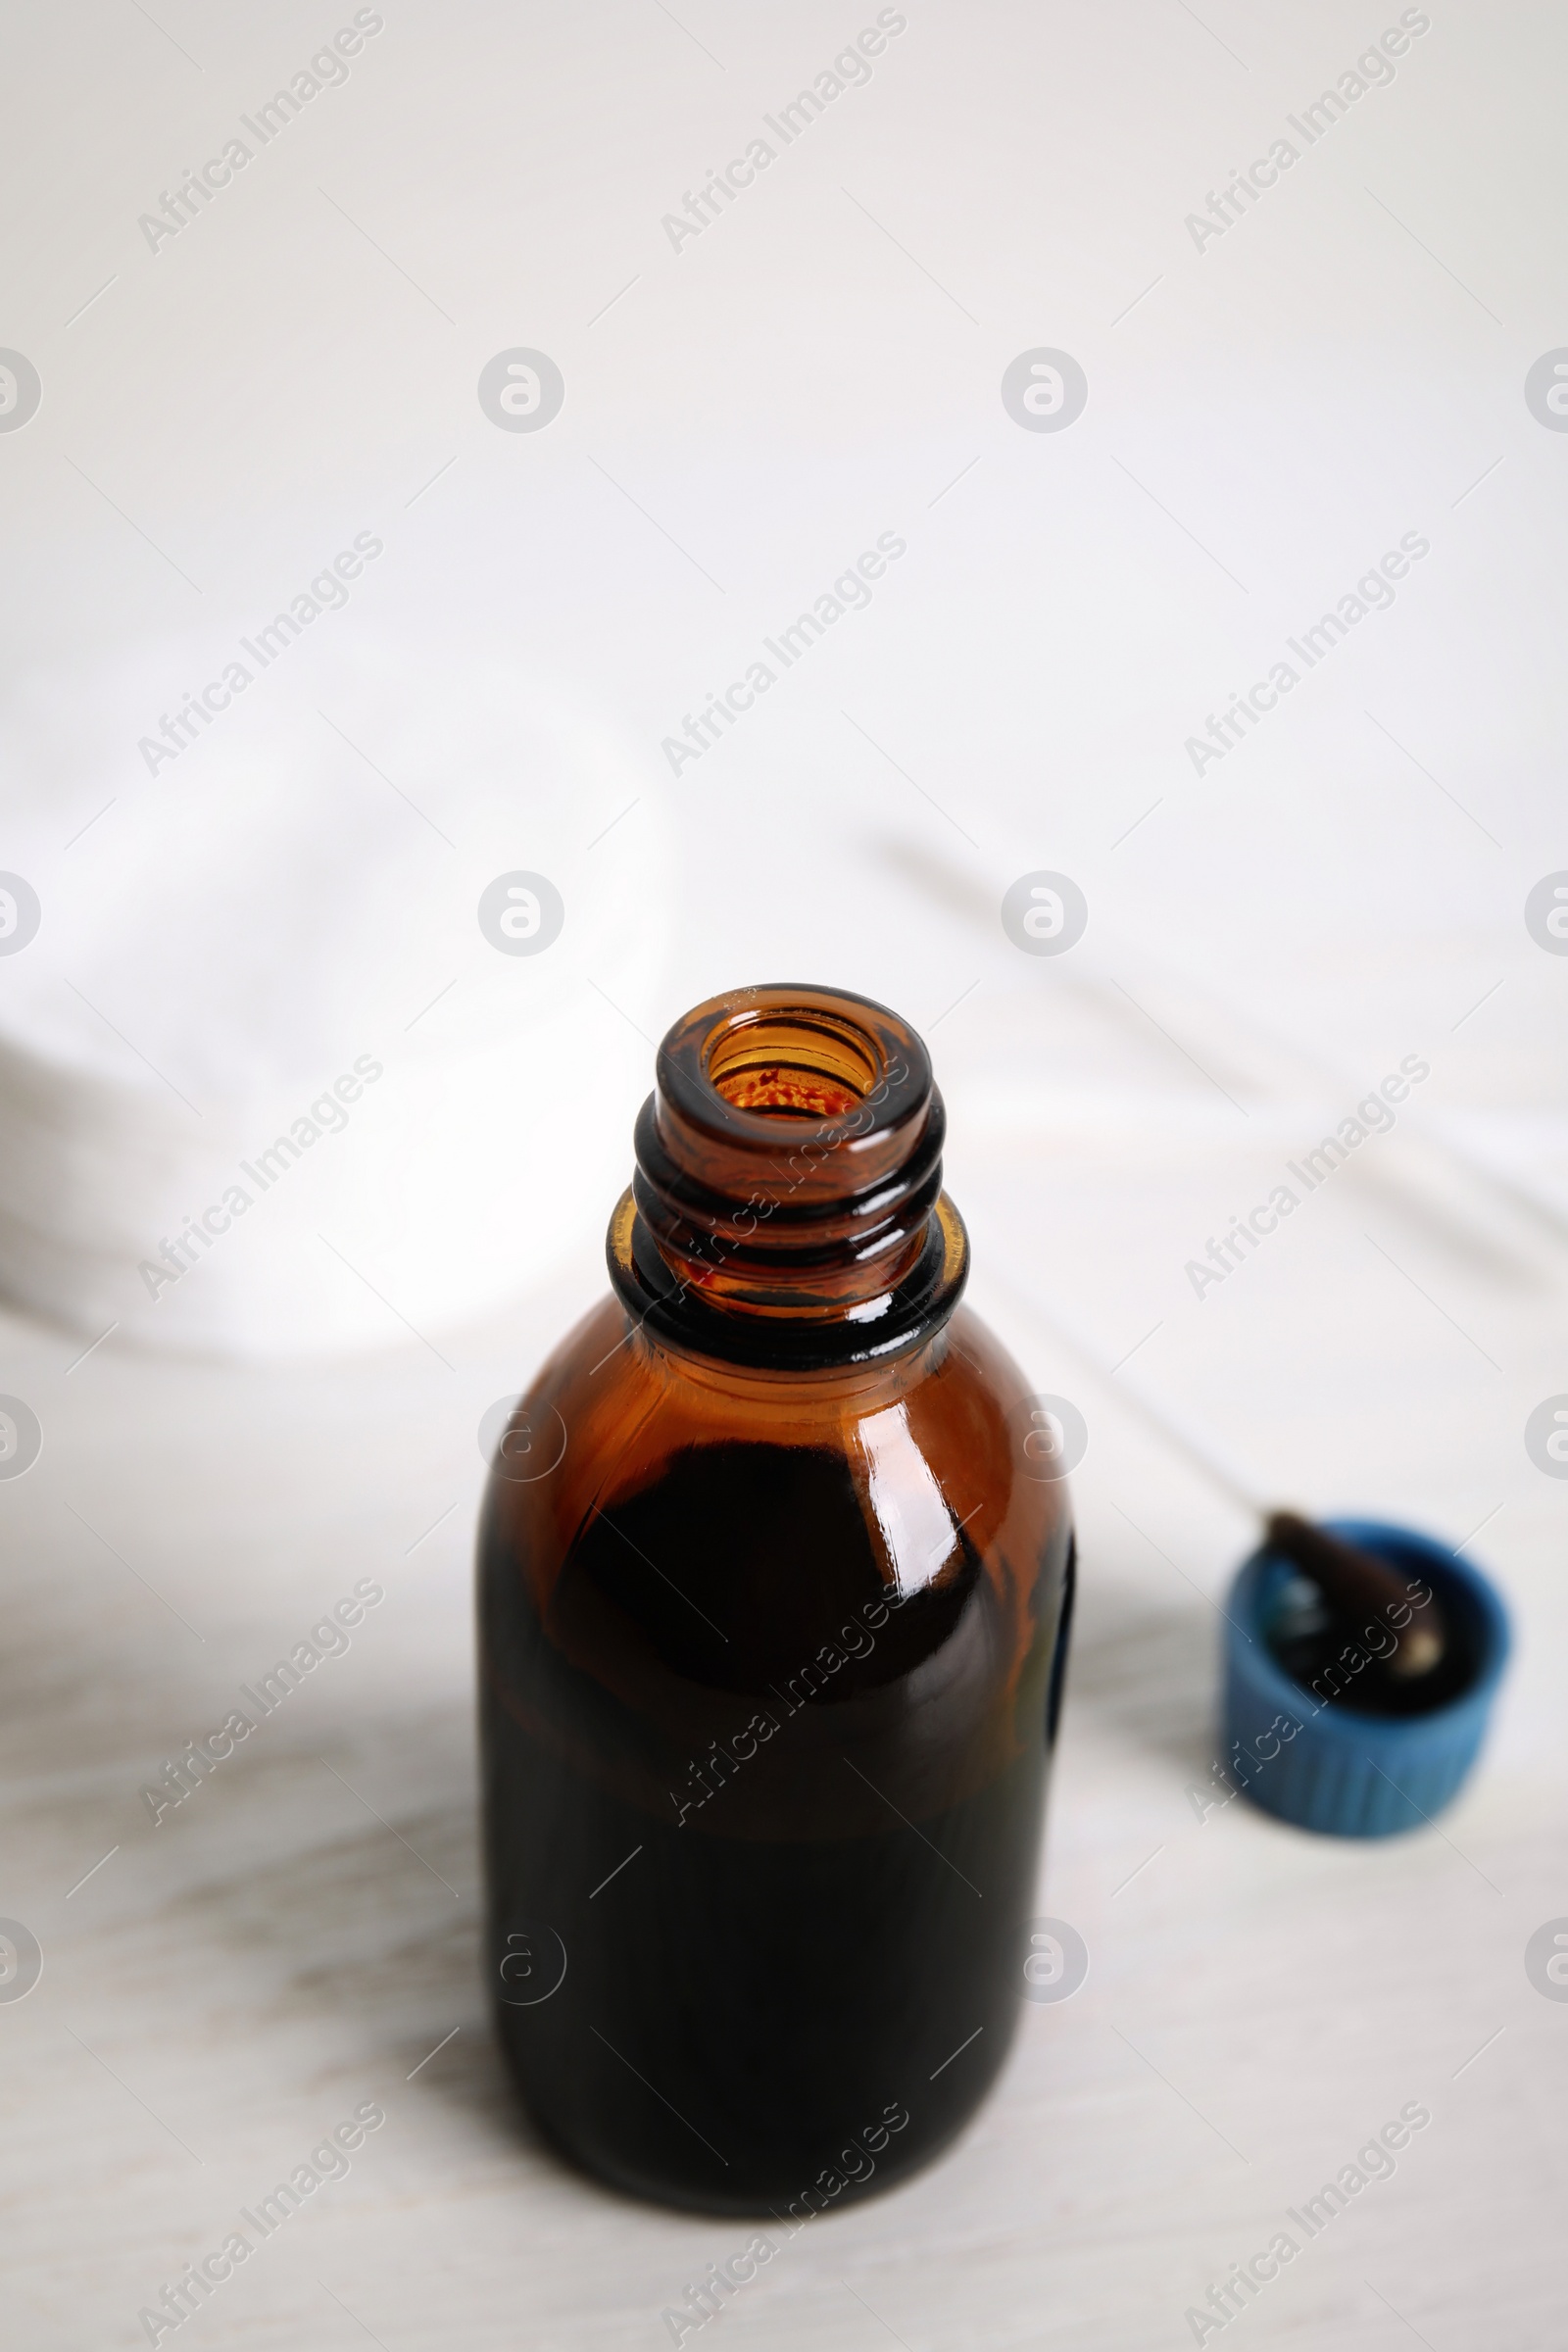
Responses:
[1343,1770]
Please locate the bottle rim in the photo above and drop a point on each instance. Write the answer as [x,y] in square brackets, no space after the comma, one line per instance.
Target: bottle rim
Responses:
[789,1175]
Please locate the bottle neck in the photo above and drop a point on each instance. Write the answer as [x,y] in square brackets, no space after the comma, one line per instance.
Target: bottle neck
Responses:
[788,1207]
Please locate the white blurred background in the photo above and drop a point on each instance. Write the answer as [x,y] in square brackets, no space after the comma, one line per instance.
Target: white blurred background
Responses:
[1267,414]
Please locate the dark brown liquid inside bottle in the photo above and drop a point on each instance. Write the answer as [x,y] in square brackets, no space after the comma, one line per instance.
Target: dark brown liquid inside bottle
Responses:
[772,1621]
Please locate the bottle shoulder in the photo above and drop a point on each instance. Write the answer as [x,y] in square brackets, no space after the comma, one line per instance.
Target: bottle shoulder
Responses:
[868,1560]
[923,1454]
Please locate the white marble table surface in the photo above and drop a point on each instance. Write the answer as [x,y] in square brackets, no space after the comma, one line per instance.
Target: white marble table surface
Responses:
[301,1935]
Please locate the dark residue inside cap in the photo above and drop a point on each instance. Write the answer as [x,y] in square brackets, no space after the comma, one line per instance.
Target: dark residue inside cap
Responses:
[1343,1659]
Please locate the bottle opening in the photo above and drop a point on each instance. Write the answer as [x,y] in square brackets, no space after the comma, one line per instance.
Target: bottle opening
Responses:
[792,1065]
[788,1165]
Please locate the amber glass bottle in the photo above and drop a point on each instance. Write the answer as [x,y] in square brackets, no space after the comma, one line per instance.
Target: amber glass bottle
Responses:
[773,1611]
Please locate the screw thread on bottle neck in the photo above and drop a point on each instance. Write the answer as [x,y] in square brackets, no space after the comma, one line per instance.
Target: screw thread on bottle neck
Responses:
[789,1162]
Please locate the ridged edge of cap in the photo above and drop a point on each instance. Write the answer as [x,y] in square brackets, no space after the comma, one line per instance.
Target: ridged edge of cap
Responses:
[1343,1773]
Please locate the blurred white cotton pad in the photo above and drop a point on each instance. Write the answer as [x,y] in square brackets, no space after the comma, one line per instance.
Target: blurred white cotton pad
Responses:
[266,1083]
